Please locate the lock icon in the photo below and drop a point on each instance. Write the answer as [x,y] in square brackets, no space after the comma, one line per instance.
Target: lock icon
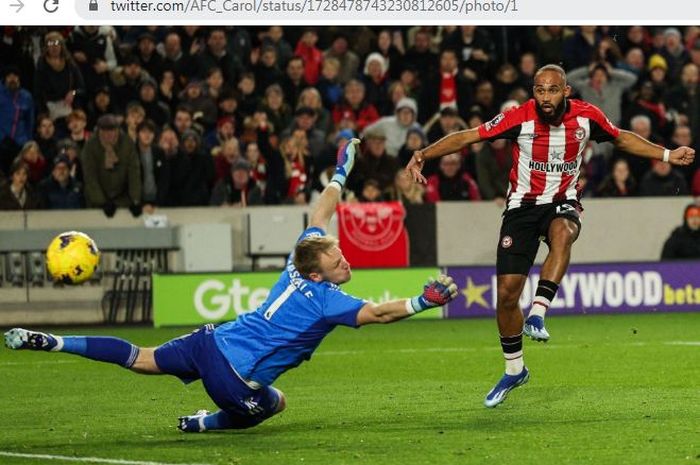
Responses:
[93,5]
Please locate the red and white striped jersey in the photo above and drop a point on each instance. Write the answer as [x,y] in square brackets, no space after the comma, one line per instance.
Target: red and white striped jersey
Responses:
[547,159]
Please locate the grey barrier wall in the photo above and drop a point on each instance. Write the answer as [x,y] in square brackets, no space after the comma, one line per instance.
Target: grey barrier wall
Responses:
[613,230]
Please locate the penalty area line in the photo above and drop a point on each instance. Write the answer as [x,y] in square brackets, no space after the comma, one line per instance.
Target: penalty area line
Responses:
[66,458]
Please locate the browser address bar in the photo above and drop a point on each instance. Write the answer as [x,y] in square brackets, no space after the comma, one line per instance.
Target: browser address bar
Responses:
[325,12]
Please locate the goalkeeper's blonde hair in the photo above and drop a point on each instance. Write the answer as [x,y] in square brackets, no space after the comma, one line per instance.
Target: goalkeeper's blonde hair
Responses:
[307,253]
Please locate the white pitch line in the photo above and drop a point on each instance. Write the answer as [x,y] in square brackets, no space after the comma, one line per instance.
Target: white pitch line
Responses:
[88,459]
[683,343]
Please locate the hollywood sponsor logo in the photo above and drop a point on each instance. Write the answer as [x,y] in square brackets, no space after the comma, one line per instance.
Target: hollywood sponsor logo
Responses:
[566,167]
[372,227]
[494,122]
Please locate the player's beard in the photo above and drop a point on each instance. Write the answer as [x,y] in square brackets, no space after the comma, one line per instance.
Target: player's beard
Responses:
[555,116]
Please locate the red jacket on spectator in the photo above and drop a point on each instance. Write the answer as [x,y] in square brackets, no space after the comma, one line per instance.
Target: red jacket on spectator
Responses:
[313,58]
[461,187]
[366,114]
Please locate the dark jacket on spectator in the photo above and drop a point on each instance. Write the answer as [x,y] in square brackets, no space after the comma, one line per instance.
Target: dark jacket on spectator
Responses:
[684,243]
[8,201]
[461,187]
[653,185]
[224,193]
[190,178]
[57,197]
[121,184]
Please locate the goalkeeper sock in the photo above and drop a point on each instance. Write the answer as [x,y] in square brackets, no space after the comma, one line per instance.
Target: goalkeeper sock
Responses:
[224,420]
[544,295]
[513,353]
[102,349]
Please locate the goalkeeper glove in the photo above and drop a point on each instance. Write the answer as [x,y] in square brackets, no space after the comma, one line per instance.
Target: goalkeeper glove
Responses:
[345,162]
[435,294]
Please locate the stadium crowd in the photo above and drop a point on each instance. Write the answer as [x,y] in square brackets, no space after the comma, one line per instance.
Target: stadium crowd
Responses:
[140,117]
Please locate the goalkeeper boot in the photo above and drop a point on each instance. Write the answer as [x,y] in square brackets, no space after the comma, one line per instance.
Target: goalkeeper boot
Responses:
[534,329]
[509,382]
[19,339]
[193,423]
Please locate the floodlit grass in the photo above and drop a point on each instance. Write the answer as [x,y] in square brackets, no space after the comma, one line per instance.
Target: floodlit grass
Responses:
[621,389]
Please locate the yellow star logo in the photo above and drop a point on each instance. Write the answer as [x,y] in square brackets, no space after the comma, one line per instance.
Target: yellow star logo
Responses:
[475,294]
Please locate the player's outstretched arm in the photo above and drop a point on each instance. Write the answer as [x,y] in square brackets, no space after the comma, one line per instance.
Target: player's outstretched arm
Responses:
[435,294]
[451,143]
[637,145]
[330,196]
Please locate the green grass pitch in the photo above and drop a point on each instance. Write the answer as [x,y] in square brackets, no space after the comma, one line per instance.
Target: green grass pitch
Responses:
[622,389]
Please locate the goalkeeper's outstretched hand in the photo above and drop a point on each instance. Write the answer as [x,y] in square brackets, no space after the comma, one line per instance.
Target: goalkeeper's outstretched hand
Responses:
[345,161]
[435,294]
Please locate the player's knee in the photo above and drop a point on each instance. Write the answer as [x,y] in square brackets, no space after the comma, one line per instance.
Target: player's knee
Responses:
[507,300]
[146,362]
[281,402]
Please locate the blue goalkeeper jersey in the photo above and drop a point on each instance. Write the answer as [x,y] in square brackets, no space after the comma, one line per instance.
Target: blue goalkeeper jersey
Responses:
[286,329]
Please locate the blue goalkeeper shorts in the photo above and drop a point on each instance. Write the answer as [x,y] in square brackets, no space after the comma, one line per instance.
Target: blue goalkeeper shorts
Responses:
[196,356]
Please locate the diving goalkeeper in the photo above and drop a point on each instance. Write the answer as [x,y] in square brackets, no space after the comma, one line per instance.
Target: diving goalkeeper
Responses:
[239,360]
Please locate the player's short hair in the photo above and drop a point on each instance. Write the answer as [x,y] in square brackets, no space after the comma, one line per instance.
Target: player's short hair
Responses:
[307,253]
[555,68]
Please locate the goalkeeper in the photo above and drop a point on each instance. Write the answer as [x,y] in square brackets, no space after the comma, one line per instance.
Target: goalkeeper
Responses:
[238,361]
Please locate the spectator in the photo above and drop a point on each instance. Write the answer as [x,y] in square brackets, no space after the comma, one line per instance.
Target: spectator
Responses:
[685,97]
[202,107]
[450,182]
[415,140]
[579,49]
[493,164]
[100,104]
[70,150]
[421,56]
[16,116]
[619,183]
[135,115]
[658,74]
[390,47]
[258,169]
[684,242]
[18,194]
[603,86]
[406,191]
[77,124]
[354,112]
[311,55]
[311,98]
[174,58]
[274,37]
[682,136]
[443,123]
[305,121]
[374,77]
[446,87]
[225,131]
[112,170]
[349,61]
[151,61]
[648,103]
[374,163]
[57,80]
[279,113]
[549,43]
[60,191]
[228,154]
[238,189]
[662,180]
[192,173]
[34,160]
[396,127]
[249,100]
[328,84]
[674,52]
[293,81]
[475,50]
[93,51]
[216,55]
[169,89]
[183,119]
[371,192]
[154,166]
[126,81]
[266,68]
[214,85]
[640,125]
[156,111]
[485,100]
